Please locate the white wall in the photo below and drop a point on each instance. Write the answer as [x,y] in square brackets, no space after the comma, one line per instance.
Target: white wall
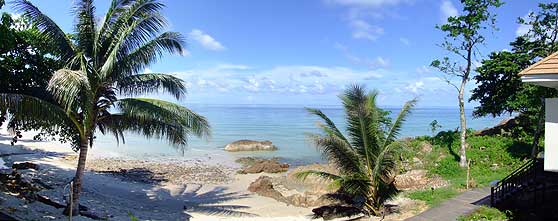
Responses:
[551,135]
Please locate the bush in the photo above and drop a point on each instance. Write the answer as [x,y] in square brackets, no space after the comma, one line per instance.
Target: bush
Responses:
[486,213]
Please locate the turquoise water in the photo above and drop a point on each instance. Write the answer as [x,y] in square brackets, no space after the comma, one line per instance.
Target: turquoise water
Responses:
[285,126]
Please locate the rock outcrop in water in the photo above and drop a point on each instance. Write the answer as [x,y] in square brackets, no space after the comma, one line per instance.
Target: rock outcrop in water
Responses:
[250,145]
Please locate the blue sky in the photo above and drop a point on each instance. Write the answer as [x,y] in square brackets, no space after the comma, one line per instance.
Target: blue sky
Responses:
[306,52]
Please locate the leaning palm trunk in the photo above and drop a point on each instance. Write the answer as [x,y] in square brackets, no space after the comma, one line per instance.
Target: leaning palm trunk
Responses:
[366,159]
[107,59]
[73,204]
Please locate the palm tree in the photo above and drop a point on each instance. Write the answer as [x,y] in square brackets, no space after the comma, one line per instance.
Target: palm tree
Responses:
[366,158]
[103,64]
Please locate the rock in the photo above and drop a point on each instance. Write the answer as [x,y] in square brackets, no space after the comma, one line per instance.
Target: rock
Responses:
[25,166]
[426,147]
[267,166]
[418,179]
[264,187]
[250,145]
[505,126]
[308,199]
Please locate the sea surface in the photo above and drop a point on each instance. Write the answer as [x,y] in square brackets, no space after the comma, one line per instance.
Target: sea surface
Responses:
[286,126]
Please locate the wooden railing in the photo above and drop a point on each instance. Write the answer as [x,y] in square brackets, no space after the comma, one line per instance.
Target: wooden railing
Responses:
[519,180]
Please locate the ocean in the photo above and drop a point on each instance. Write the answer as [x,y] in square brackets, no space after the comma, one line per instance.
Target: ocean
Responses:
[286,126]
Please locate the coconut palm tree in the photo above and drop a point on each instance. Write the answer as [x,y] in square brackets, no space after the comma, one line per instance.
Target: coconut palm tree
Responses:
[366,157]
[104,63]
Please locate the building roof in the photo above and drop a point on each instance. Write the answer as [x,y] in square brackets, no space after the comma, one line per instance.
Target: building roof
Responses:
[548,65]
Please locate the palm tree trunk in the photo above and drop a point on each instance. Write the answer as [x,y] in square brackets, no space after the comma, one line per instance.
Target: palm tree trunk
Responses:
[463,122]
[74,203]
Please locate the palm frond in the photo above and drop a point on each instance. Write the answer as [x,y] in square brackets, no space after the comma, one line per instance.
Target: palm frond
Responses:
[401,117]
[338,152]
[149,83]
[324,175]
[140,58]
[30,110]
[140,25]
[85,26]
[159,119]
[67,86]
[329,127]
[113,13]
[47,27]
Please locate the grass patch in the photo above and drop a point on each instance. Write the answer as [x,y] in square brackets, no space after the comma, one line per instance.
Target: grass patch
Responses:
[433,197]
[486,213]
[491,158]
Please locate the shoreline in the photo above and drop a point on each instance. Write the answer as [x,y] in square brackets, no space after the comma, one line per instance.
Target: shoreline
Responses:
[152,189]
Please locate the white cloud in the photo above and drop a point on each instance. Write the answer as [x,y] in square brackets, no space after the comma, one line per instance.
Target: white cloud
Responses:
[405,41]
[448,10]
[363,30]
[232,67]
[280,79]
[415,87]
[206,40]
[425,85]
[377,63]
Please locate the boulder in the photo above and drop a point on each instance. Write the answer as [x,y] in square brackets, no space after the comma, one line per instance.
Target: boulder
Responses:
[418,179]
[250,145]
[266,166]
[426,147]
[263,186]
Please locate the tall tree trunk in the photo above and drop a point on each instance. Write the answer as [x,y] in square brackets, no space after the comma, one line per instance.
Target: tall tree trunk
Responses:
[83,148]
[463,123]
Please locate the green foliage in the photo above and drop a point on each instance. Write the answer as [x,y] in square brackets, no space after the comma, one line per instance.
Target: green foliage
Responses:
[500,90]
[492,158]
[433,197]
[103,59]
[434,126]
[367,158]
[485,213]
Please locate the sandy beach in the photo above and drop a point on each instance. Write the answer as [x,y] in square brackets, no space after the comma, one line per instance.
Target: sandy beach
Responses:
[163,189]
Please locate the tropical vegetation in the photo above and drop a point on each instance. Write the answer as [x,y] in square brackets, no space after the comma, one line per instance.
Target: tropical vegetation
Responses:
[103,64]
[500,90]
[367,156]
[463,36]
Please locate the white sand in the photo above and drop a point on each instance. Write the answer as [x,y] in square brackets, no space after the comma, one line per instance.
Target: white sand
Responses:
[108,194]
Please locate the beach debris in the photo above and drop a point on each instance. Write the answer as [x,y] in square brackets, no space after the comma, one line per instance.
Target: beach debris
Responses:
[250,145]
[266,166]
[418,179]
[25,166]
[335,211]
